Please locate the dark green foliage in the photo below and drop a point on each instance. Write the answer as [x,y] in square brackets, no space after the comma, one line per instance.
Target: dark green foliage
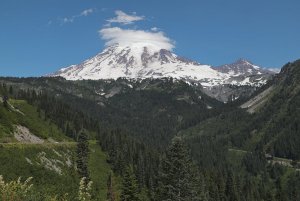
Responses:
[231,187]
[124,151]
[255,162]
[207,151]
[281,132]
[178,175]
[151,109]
[5,101]
[202,189]
[82,155]
[129,191]
[292,187]
[11,91]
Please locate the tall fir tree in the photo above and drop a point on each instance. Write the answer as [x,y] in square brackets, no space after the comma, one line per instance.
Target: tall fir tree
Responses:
[83,155]
[231,189]
[202,189]
[5,101]
[178,176]
[221,187]
[11,91]
[129,191]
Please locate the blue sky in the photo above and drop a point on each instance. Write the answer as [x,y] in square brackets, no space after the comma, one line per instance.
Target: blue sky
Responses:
[40,36]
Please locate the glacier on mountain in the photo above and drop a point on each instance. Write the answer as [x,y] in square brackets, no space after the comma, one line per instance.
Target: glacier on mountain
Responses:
[147,60]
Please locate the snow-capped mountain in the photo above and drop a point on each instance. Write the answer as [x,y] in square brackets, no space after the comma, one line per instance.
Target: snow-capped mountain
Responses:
[243,72]
[241,67]
[141,61]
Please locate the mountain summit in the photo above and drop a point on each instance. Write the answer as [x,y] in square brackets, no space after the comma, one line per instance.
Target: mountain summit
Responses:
[146,60]
[139,61]
[244,72]
[242,67]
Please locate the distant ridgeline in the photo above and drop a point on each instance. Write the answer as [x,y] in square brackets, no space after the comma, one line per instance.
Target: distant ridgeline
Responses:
[159,137]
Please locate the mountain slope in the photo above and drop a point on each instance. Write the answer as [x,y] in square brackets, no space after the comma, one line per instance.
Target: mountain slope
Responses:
[269,121]
[138,62]
[244,72]
[141,61]
[151,108]
[32,145]
[244,79]
[22,116]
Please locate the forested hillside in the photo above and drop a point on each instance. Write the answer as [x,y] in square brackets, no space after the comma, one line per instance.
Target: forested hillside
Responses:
[33,146]
[152,109]
[262,141]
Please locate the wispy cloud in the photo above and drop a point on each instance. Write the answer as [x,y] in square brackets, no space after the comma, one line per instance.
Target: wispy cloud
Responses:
[154,29]
[68,20]
[71,19]
[87,12]
[125,19]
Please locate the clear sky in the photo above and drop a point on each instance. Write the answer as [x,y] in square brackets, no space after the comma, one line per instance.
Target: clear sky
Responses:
[40,36]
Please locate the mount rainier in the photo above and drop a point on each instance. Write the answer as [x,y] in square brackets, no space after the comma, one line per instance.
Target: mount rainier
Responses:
[142,60]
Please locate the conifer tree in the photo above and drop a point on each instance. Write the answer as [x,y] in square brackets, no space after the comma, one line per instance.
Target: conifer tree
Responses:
[5,101]
[231,190]
[177,176]
[11,91]
[221,187]
[82,155]
[203,194]
[129,189]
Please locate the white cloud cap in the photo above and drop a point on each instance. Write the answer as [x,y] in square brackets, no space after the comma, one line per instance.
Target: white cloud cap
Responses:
[123,18]
[128,37]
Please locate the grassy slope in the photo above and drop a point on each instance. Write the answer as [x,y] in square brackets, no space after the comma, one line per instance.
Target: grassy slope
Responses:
[14,156]
[99,172]
[14,164]
[30,119]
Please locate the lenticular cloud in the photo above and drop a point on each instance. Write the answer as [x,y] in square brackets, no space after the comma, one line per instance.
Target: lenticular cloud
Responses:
[128,37]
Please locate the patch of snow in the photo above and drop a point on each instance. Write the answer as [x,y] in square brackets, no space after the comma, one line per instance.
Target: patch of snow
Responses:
[256,67]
